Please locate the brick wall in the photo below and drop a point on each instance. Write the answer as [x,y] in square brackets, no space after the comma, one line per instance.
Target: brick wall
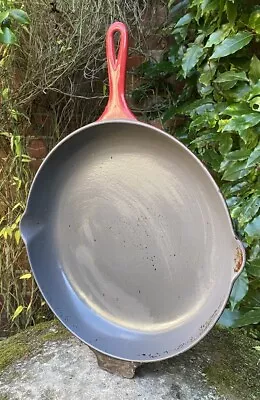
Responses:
[150,46]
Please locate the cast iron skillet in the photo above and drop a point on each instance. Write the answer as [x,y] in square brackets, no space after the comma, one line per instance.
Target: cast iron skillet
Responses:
[128,236]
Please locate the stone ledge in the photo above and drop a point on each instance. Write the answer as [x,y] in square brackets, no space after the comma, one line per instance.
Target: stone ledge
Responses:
[46,362]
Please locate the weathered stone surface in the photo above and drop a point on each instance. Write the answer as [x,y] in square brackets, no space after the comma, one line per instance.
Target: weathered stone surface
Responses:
[46,363]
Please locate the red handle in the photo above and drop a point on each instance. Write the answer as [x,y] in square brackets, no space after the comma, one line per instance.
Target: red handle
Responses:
[116,107]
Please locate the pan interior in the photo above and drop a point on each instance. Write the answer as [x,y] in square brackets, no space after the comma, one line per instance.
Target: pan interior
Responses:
[137,226]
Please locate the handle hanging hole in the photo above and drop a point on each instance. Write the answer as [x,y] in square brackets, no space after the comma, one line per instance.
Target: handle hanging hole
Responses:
[117,42]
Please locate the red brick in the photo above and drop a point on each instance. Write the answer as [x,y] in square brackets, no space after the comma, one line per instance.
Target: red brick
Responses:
[156,123]
[35,165]
[37,149]
[135,61]
[132,82]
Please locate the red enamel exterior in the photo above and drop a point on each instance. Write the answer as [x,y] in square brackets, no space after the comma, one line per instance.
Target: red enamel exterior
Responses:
[117,107]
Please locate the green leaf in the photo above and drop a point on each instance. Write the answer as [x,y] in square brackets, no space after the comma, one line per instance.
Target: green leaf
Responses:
[254,71]
[17,312]
[231,76]
[217,37]
[225,143]
[253,269]
[198,123]
[20,16]
[254,21]
[255,90]
[228,318]
[232,44]
[204,139]
[7,36]
[231,9]
[253,228]
[17,236]
[236,109]
[238,155]
[255,103]
[3,16]
[243,122]
[254,157]
[26,276]
[249,209]
[227,189]
[194,107]
[191,58]
[249,318]
[185,20]
[250,137]
[235,170]
[239,290]
[238,93]
[208,72]
[209,5]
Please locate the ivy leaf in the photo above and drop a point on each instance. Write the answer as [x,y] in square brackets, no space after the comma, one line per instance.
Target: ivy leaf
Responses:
[243,122]
[254,70]
[7,36]
[232,44]
[254,21]
[17,312]
[249,318]
[235,170]
[231,76]
[217,37]
[191,58]
[239,290]
[253,228]
[231,9]
[238,155]
[254,157]
[249,209]
[20,16]
[185,20]
[225,143]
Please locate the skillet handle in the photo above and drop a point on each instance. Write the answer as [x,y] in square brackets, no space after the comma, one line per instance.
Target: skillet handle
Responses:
[116,107]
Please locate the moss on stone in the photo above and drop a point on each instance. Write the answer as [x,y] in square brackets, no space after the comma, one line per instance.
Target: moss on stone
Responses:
[234,366]
[23,344]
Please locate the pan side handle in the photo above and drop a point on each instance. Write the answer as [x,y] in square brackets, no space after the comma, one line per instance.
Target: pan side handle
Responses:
[239,258]
[117,107]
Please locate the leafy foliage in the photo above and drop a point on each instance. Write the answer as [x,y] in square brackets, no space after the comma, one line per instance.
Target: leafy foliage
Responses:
[214,61]
[10,18]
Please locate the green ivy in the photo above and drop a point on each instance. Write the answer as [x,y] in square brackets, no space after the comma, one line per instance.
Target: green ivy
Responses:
[215,61]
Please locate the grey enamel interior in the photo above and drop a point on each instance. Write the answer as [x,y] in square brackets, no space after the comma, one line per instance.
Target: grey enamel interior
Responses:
[130,241]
